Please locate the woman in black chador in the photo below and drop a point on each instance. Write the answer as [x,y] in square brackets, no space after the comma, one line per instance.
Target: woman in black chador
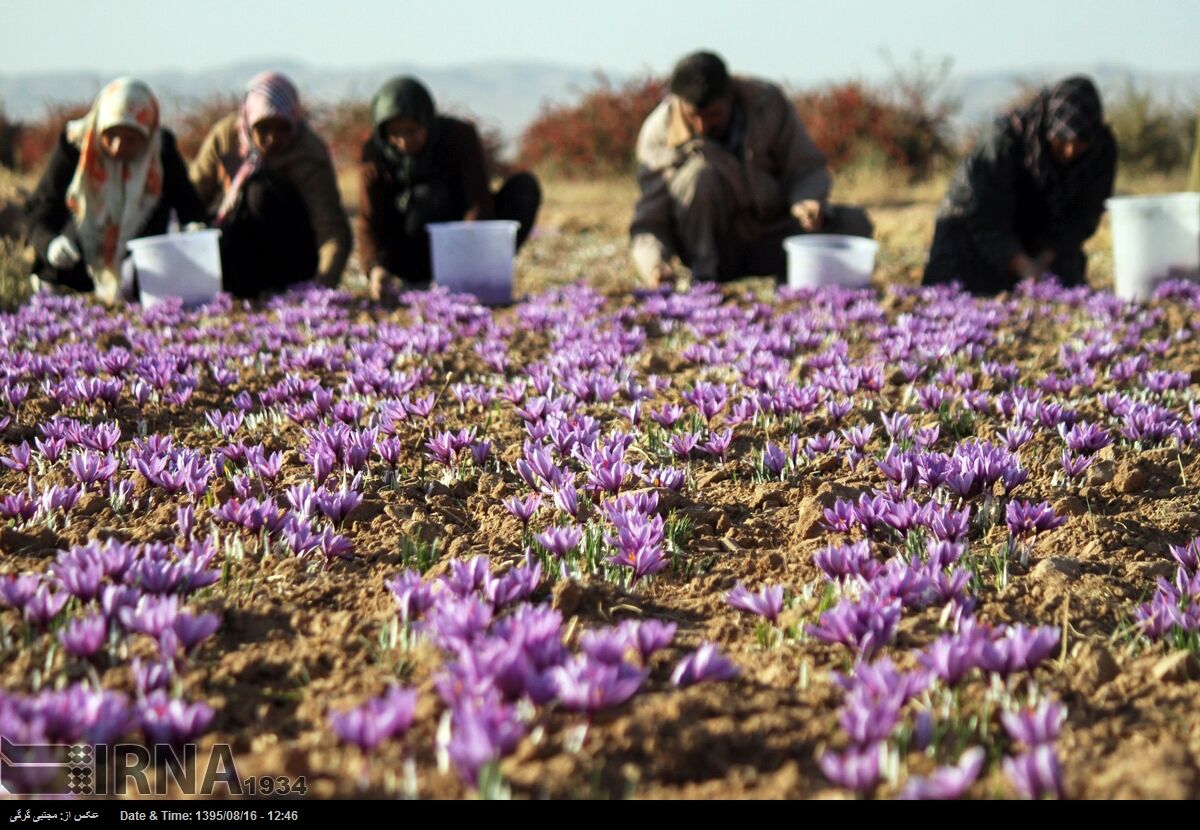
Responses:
[1029,195]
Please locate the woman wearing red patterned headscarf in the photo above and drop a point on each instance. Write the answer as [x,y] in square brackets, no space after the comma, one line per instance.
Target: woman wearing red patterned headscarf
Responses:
[115,175]
[270,183]
[1022,204]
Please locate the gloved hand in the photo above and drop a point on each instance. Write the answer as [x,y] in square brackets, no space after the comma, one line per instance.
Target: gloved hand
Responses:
[62,253]
[194,226]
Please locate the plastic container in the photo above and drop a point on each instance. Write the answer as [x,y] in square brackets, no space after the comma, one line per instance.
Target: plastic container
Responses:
[1155,238]
[475,258]
[183,265]
[822,259]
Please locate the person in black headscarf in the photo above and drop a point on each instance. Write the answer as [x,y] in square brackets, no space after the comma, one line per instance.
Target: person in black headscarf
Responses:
[1029,195]
[419,167]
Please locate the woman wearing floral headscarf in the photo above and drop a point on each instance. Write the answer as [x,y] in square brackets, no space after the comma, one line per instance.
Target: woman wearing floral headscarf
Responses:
[420,167]
[1029,195]
[271,185]
[115,175]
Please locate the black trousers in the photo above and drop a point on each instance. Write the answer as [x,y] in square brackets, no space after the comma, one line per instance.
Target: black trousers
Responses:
[765,256]
[267,242]
[407,254]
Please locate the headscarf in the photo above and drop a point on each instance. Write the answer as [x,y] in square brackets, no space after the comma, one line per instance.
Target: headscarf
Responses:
[111,200]
[1069,110]
[405,97]
[268,95]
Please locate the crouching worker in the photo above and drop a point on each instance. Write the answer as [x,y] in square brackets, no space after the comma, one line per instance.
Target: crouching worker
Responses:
[270,182]
[727,172]
[1028,196]
[115,175]
[419,167]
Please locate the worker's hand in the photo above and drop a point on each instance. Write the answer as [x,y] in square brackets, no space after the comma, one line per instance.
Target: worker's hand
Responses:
[62,253]
[810,214]
[662,275]
[378,281]
[1026,267]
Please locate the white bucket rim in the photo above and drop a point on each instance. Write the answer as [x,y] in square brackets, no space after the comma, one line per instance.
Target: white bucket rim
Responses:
[487,224]
[841,242]
[1147,200]
[163,238]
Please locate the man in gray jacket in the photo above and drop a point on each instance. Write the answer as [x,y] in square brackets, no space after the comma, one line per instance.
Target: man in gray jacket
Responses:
[727,172]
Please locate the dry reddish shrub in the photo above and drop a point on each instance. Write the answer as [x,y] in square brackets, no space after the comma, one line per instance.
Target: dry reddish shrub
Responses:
[849,121]
[36,140]
[595,135]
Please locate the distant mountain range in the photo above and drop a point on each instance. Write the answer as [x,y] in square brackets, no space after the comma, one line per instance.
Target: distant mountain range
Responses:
[508,94]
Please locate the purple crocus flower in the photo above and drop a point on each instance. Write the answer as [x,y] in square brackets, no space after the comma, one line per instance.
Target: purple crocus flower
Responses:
[1035,727]
[855,769]
[867,719]
[1018,649]
[560,541]
[153,676]
[115,597]
[172,722]
[337,506]
[566,498]
[44,606]
[866,625]
[1188,556]
[480,734]
[412,594]
[469,575]
[92,468]
[377,720]
[767,603]
[667,416]
[947,783]
[606,645]
[644,559]
[523,509]
[774,459]
[192,630]
[457,621]
[588,685]
[649,636]
[151,616]
[1036,774]
[718,444]
[1025,519]
[16,591]
[518,584]
[440,448]
[84,637]
[705,663]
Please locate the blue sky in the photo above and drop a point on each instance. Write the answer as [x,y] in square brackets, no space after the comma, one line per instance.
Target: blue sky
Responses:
[795,40]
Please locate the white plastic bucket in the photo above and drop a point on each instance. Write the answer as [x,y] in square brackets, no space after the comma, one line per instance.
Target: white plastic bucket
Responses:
[475,258]
[1155,238]
[183,265]
[822,259]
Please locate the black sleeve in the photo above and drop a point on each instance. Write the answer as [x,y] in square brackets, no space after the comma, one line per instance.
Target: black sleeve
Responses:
[992,181]
[1084,220]
[178,190]
[47,207]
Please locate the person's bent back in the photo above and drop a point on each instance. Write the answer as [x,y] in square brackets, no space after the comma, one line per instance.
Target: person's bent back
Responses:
[727,172]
